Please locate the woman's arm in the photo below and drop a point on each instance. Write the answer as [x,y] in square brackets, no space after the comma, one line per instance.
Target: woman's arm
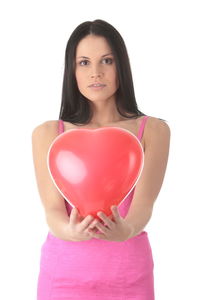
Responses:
[52,201]
[157,142]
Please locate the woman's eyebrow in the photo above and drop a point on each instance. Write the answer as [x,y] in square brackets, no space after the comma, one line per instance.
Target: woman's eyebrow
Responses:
[89,58]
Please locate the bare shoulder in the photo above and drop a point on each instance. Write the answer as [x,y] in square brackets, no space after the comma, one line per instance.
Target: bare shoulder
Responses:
[156,128]
[49,127]
[154,123]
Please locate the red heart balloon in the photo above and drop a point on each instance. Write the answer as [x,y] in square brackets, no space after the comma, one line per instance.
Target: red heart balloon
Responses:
[94,169]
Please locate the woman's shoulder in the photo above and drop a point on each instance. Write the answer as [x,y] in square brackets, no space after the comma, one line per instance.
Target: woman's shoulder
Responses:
[155,123]
[46,129]
[156,129]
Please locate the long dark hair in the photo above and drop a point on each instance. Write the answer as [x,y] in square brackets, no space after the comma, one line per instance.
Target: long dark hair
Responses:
[75,107]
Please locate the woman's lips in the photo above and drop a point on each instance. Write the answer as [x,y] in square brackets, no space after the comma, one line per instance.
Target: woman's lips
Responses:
[97,87]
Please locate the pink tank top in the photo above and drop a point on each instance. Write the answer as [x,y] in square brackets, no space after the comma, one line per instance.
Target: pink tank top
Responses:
[124,206]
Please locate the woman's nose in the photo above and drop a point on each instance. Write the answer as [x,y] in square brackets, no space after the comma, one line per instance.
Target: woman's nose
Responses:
[96,75]
[96,72]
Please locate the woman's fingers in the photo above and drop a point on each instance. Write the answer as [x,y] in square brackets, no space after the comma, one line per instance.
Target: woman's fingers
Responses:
[116,214]
[90,222]
[86,222]
[93,224]
[105,219]
[73,216]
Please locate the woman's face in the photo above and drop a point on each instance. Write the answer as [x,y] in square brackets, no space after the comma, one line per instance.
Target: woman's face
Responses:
[95,64]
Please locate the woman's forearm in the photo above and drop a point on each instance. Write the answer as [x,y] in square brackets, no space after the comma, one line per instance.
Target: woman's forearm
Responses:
[138,219]
[57,221]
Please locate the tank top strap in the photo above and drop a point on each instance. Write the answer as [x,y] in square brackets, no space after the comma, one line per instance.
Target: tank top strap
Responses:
[139,136]
[141,129]
[60,126]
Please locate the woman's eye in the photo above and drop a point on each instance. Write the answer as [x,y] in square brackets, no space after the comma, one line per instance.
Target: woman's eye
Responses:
[110,59]
[105,59]
[82,61]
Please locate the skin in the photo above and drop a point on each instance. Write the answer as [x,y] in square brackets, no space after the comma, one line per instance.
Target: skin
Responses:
[155,140]
[98,69]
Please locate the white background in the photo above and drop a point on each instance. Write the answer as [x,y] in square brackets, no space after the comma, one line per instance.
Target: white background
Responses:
[162,39]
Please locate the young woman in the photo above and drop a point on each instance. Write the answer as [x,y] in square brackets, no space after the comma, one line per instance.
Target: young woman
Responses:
[85,258]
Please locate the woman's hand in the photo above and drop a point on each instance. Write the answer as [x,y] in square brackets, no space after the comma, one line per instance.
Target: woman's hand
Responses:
[77,228]
[117,229]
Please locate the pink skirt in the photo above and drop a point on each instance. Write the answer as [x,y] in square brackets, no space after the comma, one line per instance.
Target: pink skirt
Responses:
[96,269]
